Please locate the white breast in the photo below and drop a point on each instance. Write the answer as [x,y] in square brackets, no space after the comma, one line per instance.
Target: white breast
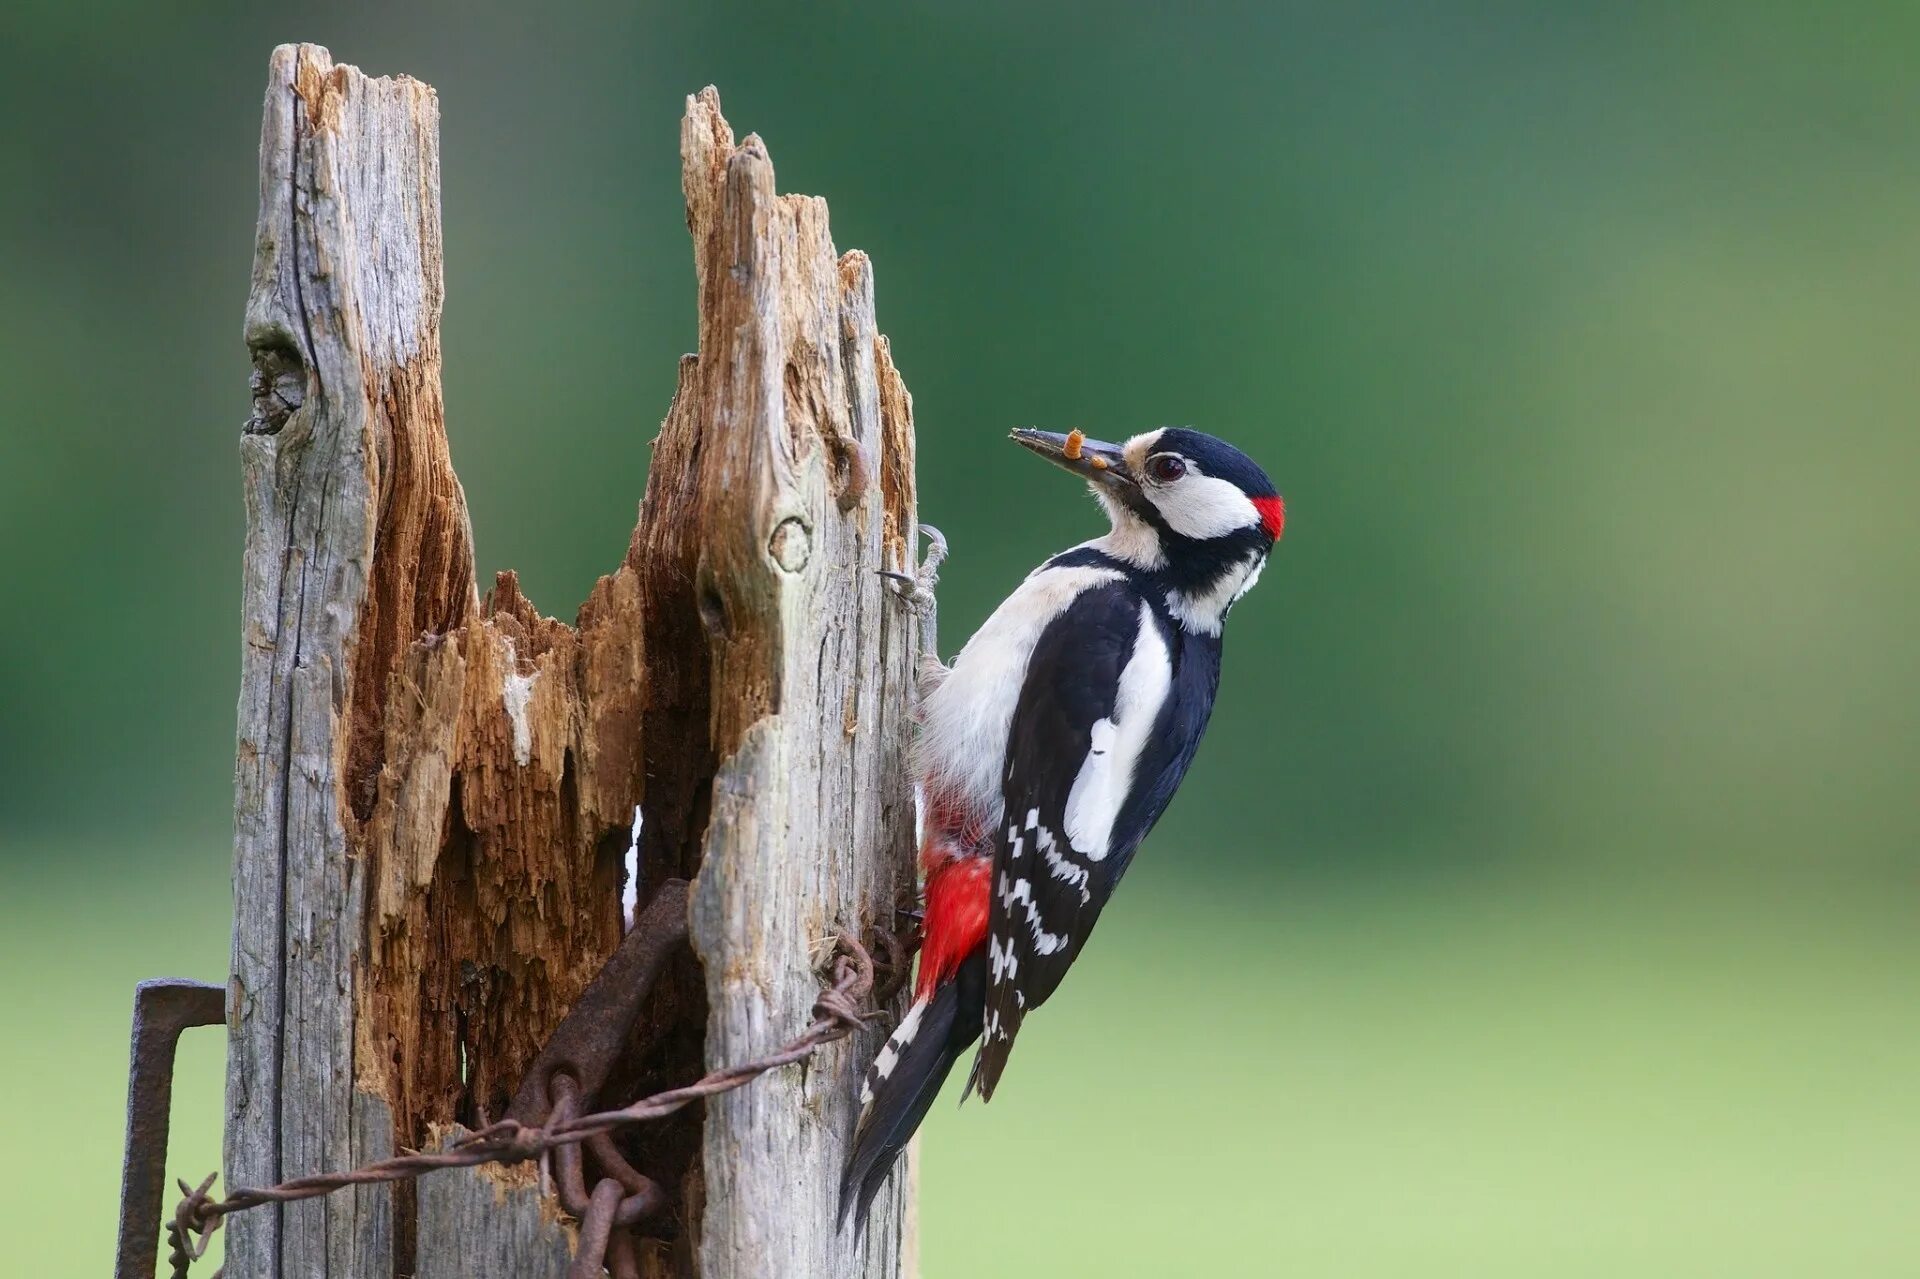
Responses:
[963,734]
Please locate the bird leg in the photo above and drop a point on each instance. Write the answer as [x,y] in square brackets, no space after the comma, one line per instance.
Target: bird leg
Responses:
[916,591]
[930,674]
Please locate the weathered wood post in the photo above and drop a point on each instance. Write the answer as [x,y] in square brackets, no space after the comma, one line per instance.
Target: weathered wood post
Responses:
[435,793]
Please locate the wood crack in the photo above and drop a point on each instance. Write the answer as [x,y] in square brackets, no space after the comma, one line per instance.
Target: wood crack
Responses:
[434,791]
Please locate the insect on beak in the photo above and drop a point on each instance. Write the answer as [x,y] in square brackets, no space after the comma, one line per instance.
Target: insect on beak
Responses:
[1094,460]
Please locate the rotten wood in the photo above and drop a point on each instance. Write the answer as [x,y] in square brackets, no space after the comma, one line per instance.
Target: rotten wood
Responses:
[435,794]
[800,441]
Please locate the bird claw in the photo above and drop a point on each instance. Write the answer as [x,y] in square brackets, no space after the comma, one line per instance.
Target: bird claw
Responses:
[916,589]
[936,549]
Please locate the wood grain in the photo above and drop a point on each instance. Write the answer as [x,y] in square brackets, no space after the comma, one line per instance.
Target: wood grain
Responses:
[434,793]
[794,440]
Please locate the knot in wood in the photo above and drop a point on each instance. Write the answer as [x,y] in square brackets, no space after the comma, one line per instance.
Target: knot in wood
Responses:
[791,545]
[279,387]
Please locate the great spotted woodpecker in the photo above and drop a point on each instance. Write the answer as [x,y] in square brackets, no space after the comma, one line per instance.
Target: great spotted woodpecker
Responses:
[1051,746]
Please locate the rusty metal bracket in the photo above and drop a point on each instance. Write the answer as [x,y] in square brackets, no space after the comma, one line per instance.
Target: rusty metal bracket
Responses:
[161,1010]
[569,1072]
[617,1200]
[589,1038]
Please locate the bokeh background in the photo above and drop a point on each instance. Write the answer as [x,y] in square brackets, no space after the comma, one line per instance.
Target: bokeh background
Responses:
[1543,901]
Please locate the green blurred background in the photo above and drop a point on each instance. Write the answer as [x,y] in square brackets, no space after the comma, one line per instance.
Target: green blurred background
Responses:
[1543,899]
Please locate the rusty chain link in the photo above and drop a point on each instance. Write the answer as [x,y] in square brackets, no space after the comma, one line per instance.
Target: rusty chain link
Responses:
[624,1196]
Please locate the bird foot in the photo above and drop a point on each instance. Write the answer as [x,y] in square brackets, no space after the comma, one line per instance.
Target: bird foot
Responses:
[916,589]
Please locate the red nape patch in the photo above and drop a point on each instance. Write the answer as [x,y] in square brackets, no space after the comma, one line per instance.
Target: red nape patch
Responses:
[956,922]
[1273,514]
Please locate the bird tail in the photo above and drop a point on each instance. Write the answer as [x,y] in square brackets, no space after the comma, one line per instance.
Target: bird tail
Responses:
[900,1087]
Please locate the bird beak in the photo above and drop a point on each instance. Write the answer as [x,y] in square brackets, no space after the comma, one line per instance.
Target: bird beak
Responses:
[1093,460]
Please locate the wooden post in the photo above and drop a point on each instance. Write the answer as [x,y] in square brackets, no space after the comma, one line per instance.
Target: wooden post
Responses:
[435,793]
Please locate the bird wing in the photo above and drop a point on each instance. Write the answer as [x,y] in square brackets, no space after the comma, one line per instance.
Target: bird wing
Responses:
[1097,681]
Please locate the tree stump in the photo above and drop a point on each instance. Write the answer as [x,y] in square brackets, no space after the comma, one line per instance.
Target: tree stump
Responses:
[437,796]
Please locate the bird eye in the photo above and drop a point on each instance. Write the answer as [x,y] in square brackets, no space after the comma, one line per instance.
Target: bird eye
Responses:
[1165,468]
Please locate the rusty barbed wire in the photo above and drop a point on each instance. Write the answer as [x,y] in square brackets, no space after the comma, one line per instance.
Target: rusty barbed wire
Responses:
[836,1012]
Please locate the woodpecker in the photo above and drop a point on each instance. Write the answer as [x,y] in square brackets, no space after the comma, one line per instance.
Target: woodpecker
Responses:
[1051,746]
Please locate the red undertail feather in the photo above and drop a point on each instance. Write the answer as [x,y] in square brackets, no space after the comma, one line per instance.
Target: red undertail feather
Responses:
[956,919]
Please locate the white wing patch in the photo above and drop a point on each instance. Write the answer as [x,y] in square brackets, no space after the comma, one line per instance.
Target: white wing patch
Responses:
[1106,776]
[961,747]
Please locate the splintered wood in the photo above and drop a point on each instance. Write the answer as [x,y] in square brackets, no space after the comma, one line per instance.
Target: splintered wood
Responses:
[791,508]
[436,794]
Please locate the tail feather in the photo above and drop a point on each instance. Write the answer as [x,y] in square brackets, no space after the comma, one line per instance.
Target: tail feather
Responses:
[900,1088]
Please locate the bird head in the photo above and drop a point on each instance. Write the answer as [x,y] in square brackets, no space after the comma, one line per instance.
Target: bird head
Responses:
[1185,506]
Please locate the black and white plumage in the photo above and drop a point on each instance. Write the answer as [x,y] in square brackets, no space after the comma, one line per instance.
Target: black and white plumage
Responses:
[1116,688]
[1053,744]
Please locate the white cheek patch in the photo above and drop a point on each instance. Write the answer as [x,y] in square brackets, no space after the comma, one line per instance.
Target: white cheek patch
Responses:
[1201,506]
